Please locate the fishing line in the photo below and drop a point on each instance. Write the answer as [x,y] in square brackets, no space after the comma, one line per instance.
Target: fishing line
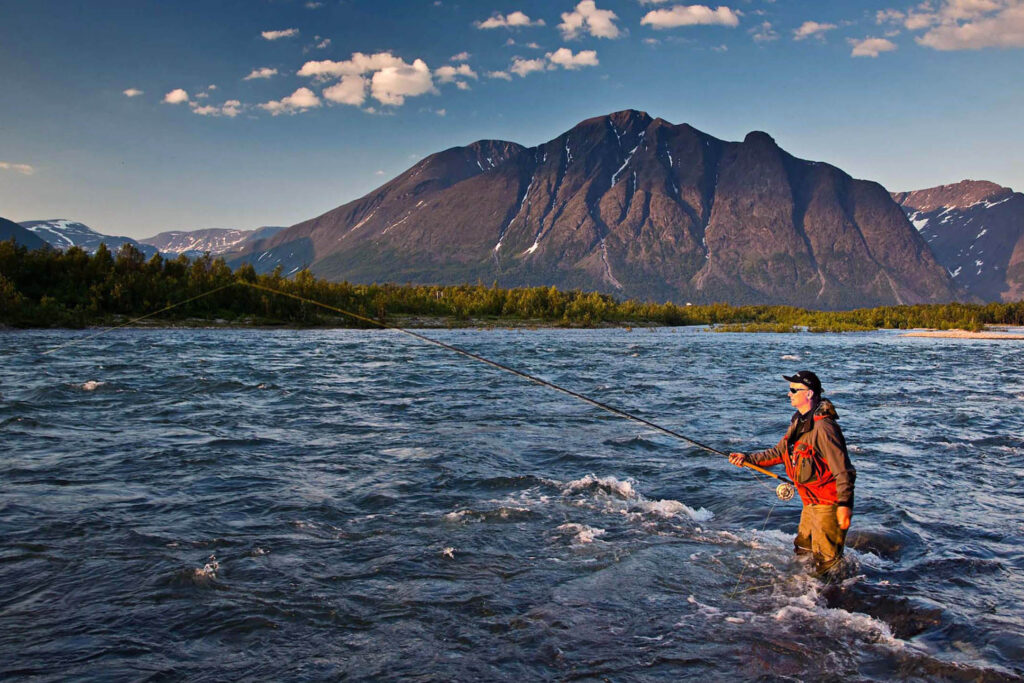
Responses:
[784,491]
[746,562]
[76,342]
[784,488]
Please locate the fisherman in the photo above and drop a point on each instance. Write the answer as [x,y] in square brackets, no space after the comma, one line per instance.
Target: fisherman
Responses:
[813,451]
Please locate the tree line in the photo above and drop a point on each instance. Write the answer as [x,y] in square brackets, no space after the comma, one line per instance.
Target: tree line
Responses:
[72,288]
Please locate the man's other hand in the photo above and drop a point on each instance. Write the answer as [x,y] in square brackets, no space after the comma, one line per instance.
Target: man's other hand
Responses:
[737,459]
[843,515]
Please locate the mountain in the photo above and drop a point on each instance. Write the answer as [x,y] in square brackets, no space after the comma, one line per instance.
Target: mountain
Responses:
[629,205]
[61,233]
[25,238]
[976,231]
[215,240]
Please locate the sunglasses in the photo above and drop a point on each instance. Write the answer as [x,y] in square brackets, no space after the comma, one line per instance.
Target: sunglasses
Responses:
[793,391]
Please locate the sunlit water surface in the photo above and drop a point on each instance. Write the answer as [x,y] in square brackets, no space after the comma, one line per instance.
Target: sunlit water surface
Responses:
[324,504]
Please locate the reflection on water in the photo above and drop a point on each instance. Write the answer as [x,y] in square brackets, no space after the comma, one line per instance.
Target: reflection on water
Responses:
[355,504]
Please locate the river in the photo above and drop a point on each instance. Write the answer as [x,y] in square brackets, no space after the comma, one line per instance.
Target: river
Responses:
[219,504]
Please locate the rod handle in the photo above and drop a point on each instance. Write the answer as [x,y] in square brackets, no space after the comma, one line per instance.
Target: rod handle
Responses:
[766,472]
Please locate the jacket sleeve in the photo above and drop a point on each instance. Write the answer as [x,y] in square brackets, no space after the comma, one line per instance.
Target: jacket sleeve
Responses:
[772,456]
[832,446]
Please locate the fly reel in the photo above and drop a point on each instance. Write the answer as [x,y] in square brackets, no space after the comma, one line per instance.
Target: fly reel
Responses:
[785,491]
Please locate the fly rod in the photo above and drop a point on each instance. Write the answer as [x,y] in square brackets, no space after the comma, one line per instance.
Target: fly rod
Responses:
[784,491]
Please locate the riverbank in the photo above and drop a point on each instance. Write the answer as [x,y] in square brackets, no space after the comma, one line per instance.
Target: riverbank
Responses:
[988,333]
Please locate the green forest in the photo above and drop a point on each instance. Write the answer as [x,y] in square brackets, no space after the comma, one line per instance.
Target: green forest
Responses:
[50,288]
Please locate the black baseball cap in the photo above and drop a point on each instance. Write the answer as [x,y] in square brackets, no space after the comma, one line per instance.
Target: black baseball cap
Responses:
[807,378]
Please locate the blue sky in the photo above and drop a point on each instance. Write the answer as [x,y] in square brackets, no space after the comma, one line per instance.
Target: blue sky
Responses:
[139,116]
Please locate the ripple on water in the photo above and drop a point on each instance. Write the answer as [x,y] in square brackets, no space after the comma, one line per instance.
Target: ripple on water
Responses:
[348,504]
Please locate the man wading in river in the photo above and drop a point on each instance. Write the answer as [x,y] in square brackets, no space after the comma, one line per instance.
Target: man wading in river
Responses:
[814,453]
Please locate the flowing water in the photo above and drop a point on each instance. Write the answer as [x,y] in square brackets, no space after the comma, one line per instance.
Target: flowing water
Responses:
[215,504]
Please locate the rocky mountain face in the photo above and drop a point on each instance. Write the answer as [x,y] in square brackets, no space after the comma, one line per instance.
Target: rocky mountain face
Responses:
[63,234]
[215,240]
[632,206]
[11,230]
[976,231]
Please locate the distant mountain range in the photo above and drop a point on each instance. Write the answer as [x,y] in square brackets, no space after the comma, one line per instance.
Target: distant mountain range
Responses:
[215,240]
[976,231]
[632,206]
[11,230]
[62,234]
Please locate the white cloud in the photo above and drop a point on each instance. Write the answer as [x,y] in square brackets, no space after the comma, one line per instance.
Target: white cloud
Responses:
[351,90]
[599,23]
[441,112]
[977,24]
[264,72]
[448,74]
[564,58]
[870,47]
[392,84]
[176,96]
[211,87]
[510,20]
[461,57]
[378,172]
[202,96]
[764,33]
[915,21]
[810,29]
[299,101]
[651,41]
[314,5]
[132,92]
[356,65]
[957,10]
[323,44]
[389,79]
[720,48]
[230,109]
[885,16]
[963,24]
[691,15]
[523,67]
[277,35]
[462,85]
[23,169]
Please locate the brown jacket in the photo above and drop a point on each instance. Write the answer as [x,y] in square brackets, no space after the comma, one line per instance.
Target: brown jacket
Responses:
[814,453]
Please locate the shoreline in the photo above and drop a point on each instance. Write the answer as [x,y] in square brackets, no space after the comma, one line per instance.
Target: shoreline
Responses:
[419,322]
[412,322]
[995,333]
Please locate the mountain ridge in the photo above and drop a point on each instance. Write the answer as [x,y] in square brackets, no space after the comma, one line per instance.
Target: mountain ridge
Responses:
[629,205]
[216,241]
[62,233]
[976,231]
[22,236]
